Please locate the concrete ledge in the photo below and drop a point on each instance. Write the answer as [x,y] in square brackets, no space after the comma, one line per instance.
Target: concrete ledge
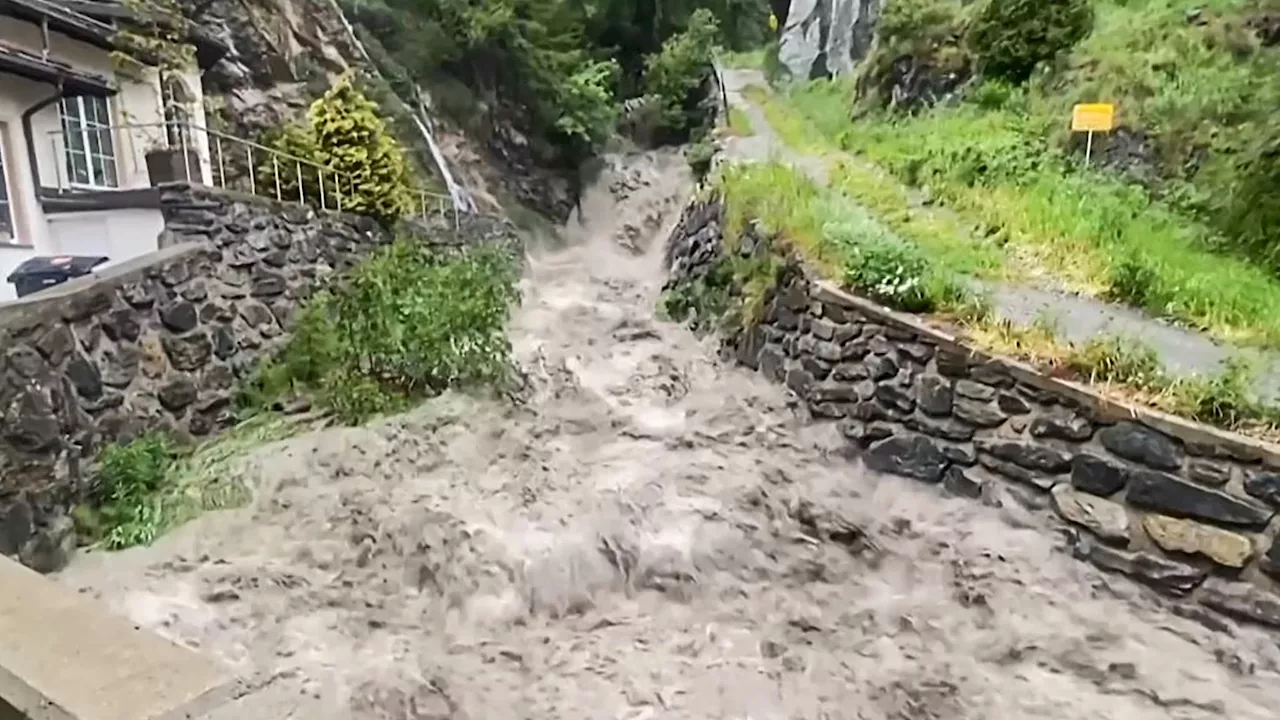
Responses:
[64,657]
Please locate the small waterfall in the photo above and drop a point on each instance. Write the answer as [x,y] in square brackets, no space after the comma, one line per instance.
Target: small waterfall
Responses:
[461,197]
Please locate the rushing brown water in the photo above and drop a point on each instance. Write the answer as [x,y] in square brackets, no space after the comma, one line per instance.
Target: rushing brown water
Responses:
[655,534]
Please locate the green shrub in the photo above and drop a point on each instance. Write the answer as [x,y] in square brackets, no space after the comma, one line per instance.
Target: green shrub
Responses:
[699,156]
[1252,207]
[405,325]
[130,479]
[678,75]
[1011,37]
[345,133]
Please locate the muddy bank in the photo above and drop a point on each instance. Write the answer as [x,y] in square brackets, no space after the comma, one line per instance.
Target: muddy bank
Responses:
[652,534]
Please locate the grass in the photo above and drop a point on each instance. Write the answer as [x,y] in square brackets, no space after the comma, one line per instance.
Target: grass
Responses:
[746,59]
[148,486]
[739,123]
[1037,216]
[838,237]
[1126,369]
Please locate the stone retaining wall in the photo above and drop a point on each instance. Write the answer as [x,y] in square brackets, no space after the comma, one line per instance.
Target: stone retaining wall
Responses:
[1187,509]
[156,343]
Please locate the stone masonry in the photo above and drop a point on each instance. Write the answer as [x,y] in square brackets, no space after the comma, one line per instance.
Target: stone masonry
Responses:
[1187,509]
[155,343]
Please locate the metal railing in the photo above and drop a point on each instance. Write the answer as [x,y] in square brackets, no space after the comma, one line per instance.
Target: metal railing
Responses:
[138,155]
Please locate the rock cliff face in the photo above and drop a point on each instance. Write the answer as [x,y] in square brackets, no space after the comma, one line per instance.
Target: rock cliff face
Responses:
[821,38]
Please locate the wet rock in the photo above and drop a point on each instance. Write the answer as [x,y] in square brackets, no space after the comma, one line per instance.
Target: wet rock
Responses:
[188,352]
[850,372]
[1165,575]
[1097,475]
[772,363]
[180,317]
[883,368]
[966,482]
[177,395]
[121,326]
[26,362]
[1061,427]
[1030,478]
[897,398]
[1207,472]
[1171,496]
[1028,454]
[993,374]
[963,455]
[1012,404]
[981,414]
[916,352]
[947,428]
[1265,486]
[909,455]
[1106,519]
[56,344]
[815,367]
[799,381]
[50,546]
[830,391]
[1188,536]
[952,364]
[1132,441]
[974,391]
[15,526]
[85,377]
[822,328]
[934,395]
[1242,601]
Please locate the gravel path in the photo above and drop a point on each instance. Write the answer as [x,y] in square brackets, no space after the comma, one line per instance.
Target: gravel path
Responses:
[653,534]
[1078,318]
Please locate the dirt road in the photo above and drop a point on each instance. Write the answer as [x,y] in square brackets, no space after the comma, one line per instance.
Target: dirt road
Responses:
[654,535]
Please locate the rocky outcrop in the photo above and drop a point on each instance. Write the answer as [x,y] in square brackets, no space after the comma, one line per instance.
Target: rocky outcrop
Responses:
[1187,509]
[822,38]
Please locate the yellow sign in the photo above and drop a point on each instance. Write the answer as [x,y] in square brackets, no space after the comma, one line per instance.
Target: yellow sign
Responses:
[1093,117]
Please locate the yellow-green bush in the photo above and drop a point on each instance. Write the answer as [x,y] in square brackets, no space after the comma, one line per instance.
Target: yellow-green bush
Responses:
[344,133]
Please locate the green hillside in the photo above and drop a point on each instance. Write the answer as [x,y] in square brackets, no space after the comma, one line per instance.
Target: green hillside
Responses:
[1179,210]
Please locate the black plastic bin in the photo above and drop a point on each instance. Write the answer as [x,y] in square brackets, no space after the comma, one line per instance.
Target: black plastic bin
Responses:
[42,272]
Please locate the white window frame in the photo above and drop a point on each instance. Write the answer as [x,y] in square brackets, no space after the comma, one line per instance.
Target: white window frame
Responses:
[15,237]
[79,106]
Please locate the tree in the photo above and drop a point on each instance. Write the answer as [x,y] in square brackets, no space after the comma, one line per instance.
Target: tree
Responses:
[1011,37]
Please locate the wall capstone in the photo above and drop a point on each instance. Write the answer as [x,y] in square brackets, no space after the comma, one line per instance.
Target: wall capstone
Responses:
[1187,509]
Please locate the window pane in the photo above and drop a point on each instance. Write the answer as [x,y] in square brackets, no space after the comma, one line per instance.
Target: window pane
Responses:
[78,167]
[108,175]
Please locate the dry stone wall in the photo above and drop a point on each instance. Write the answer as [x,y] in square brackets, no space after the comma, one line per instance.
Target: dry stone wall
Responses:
[1187,509]
[156,343]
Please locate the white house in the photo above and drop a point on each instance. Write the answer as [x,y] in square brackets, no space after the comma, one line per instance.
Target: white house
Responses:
[79,128]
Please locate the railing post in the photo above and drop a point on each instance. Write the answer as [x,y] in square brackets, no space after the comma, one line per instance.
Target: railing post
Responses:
[253,171]
[320,174]
[337,186]
[301,197]
[186,161]
[275,170]
[222,169]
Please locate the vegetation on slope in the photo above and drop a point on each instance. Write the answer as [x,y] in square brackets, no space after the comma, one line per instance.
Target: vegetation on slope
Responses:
[1176,214]
[559,70]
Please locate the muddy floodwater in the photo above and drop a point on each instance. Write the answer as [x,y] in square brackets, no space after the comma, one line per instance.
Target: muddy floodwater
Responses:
[653,533]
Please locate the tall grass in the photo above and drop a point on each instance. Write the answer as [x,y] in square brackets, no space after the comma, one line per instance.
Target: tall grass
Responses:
[1087,230]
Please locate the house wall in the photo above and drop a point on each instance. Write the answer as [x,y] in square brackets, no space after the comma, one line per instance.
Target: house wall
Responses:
[137,103]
